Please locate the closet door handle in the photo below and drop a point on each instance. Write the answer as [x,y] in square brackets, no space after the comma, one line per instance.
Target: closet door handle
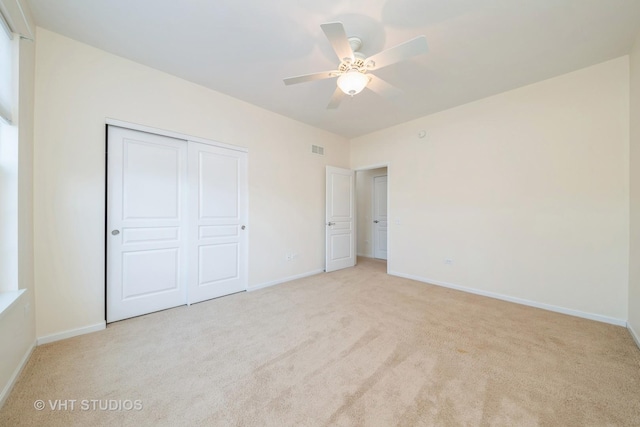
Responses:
[243,227]
[115,232]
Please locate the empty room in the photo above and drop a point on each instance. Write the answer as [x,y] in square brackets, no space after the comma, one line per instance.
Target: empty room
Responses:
[320,213]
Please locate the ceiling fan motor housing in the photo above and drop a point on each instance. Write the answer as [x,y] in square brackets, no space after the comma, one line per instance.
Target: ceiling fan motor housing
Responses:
[358,64]
[355,43]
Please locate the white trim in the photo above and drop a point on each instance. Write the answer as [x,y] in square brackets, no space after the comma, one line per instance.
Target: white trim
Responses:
[4,119]
[26,20]
[172,134]
[5,26]
[283,280]
[370,167]
[8,299]
[5,115]
[634,335]
[389,208]
[16,374]
[72,333]
[17,17]
[549,307]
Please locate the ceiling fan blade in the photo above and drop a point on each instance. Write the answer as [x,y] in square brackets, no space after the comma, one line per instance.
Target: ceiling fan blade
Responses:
[399,53]
[310,77]
[338,39]
[382,88]
[336,98]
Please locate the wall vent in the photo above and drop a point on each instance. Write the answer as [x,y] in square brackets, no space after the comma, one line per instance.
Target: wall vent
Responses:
[316,149]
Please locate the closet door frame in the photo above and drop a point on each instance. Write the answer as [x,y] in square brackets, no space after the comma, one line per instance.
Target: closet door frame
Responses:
[244,250]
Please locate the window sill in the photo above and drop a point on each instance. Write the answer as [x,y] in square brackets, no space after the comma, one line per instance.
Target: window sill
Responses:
[8,299]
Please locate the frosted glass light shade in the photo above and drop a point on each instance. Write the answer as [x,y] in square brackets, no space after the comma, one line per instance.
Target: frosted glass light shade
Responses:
[352,82]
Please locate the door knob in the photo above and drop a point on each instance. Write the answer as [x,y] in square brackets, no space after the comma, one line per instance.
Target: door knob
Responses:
[376,221]
[331,223]
[243,227]
[115,232]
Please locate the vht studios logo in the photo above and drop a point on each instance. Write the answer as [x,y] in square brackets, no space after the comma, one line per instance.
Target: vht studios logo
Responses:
[88,405]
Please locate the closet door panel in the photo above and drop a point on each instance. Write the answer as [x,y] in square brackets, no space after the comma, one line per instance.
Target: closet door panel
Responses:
[217,182]
[146,223]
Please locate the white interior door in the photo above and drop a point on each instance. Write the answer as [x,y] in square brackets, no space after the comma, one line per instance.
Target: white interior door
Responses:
[218,235]
[380,217]
[340,234]
[146,221]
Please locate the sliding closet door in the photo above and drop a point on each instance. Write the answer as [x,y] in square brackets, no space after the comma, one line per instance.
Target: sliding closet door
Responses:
[146,223]
[217,219]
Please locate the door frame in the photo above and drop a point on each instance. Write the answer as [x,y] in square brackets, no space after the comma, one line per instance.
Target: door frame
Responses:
[177,135]
[389,207]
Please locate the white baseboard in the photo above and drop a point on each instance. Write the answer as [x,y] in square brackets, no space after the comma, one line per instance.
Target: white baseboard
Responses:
[634,335]
[16,374]
[284,280]
[72,333]
[557,309]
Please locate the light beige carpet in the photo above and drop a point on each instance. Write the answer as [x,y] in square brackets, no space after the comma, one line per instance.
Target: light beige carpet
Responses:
[353,347]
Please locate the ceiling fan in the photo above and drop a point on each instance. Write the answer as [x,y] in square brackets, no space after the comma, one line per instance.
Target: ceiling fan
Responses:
[353,71]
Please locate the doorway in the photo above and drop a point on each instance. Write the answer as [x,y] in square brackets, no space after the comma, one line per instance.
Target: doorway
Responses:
[371,213]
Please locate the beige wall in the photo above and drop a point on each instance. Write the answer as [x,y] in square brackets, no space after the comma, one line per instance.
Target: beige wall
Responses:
[526,191]
[17,324]
[364,209]
[78,87]
[634,247]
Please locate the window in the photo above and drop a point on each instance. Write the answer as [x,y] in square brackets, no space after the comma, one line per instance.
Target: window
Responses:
[7,62]
[8,161]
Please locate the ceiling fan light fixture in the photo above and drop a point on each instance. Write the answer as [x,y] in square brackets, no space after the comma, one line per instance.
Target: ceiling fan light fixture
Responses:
[352,82]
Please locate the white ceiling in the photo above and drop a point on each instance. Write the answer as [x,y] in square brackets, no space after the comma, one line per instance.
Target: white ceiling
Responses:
[245,48]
